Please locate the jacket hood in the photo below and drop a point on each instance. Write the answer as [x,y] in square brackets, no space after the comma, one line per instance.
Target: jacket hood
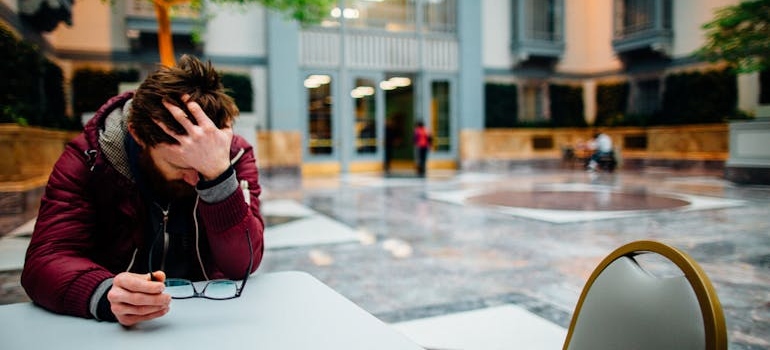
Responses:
[106,133]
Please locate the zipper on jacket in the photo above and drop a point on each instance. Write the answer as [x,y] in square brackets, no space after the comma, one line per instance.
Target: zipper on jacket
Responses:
[164,225]
[90,158]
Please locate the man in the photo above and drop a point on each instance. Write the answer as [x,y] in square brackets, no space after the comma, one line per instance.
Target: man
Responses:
[156,185]
[602,147]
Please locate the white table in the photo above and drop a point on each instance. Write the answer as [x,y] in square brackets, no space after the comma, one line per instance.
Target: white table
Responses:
[282,310]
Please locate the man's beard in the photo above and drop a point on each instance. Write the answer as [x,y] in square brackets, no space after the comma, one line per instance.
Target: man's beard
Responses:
[169,190]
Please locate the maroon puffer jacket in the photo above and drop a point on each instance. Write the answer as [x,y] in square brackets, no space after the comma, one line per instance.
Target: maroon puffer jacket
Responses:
[91,223]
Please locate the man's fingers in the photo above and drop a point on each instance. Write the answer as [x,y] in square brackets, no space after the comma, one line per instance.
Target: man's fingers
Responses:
[126,297]
[179,115]
[138,283]
[200,116]
[138,310]
[159,276]
[130,319]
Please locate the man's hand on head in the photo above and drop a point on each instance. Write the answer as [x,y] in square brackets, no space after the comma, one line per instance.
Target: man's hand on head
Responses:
[136,298]
[205,148]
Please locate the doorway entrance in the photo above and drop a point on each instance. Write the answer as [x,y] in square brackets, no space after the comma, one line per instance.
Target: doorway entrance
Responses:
[399,121]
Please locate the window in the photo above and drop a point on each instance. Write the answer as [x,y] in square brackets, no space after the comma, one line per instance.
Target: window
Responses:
[439,16]
[638,16]
[538,29]
[396,15]
[440,115]
[391,15]
[544,22]
[319,92]
[532,103]
[365,126]
[647,100]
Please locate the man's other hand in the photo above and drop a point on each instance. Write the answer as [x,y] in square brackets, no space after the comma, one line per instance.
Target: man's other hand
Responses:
[136,298]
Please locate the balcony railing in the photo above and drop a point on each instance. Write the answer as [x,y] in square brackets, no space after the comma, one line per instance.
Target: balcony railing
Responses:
[321,48]
[641,24]
[140,16]
[538,28]
[145,8]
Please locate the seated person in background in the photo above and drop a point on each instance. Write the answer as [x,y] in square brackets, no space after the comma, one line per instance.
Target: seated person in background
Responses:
[602,150]
[156,185]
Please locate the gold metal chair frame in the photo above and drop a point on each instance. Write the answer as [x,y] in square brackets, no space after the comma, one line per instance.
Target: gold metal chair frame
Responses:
[711,309]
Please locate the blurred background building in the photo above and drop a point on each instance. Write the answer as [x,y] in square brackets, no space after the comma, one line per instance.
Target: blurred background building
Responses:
[328,98]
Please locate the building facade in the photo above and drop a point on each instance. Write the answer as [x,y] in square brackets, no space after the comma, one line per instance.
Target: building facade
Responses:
[344,95]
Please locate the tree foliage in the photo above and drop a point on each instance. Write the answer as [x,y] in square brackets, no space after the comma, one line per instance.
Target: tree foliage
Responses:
[304,11]
[740,36]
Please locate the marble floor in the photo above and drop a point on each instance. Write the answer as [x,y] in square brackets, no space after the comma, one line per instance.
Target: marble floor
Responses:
[502,256]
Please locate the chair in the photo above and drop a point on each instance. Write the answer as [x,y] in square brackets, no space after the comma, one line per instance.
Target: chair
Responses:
[623,306]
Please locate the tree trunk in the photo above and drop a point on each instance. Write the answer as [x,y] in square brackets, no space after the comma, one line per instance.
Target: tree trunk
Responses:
[165,44]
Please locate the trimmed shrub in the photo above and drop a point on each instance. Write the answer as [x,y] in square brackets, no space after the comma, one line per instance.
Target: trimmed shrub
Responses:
[501,107]
[699,97]
[55,106]
[21,86]
[32,88]
[91,88]
[611,104]
[238,86]
[566,106]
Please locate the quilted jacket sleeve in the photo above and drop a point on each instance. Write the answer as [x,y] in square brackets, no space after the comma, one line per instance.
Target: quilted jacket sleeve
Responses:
[57,273]
[227,222]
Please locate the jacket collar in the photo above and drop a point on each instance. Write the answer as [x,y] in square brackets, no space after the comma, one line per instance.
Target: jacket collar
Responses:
[106,132]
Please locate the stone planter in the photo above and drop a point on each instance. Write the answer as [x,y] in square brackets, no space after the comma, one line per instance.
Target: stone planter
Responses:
[26,159]
[749,161]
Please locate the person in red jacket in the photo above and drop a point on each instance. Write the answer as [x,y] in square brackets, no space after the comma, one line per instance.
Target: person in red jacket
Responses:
[422,143]
[156,185]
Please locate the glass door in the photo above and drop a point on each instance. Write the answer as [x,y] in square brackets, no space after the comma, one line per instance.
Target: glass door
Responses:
[440,115]
[366,129]
[399,120]
[320,121]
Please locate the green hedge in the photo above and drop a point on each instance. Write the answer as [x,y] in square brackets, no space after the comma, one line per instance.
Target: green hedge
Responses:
[566,106]
[54,114]
[238,86]
[501,107]
[699,97]
[611,104]
[91,88]
[21,70]
[32,87]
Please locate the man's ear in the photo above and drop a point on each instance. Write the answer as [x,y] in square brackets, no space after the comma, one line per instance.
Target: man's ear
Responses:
[132,131]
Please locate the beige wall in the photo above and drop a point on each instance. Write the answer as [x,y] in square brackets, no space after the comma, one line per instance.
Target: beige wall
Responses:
[588,37]
[496,33]
[11,4]
[683,143]
[689,16]
[279,149]
[228,20]
[90,31]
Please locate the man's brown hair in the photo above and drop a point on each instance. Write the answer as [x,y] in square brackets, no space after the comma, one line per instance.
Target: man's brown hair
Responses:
[190,76]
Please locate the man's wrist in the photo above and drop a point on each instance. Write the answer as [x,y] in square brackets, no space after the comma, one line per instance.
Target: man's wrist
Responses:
[100,306]
[214,174]
[218,189]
